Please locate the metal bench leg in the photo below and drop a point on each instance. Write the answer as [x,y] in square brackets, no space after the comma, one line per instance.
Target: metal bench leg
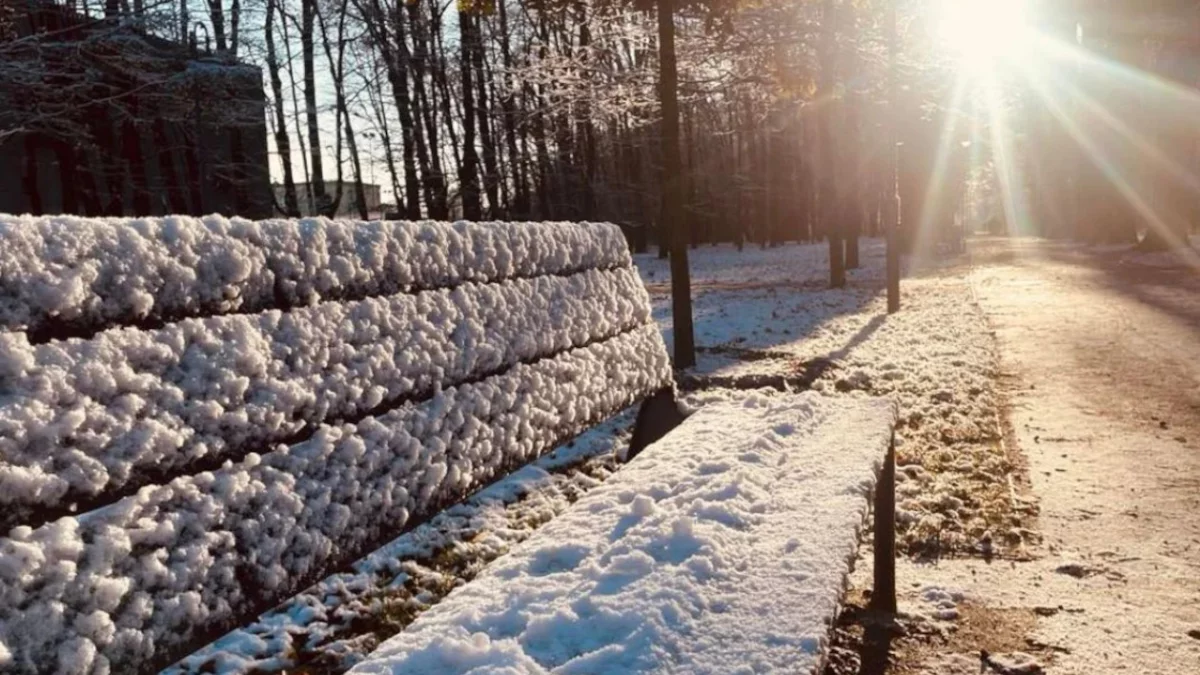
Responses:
[883,597]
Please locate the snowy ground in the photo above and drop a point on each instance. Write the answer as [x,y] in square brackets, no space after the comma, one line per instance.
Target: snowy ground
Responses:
[1094,379]
[1100,370]
[935,358]
[757,312]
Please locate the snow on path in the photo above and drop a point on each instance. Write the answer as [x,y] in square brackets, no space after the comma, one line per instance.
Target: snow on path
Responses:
[1101,372]
[1105,401]
[723,548]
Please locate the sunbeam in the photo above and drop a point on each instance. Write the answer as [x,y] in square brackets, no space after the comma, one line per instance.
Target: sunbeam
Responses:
[935,190]
[1139,142]
[1007,171]
[1111,169]
[1126,122]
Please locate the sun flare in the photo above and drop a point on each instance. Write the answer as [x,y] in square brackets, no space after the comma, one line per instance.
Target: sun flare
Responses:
[983,34]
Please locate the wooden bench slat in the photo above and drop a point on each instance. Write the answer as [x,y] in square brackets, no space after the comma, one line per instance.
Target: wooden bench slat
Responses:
[137,407]
[66,275]
[722,548]
[175,565]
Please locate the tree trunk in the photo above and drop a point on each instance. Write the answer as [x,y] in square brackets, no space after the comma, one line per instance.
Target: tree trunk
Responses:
[538,131]
[829,192]
[68,176]
[166,166]
[681,291]
[308,10]
[427,154]
[310,202]
[852,196]
[33,188]
[507,104]
[360,197]
[491,178]
[337,70]
[235,20]
[424,109]
[397,73]
[468,179]
[216,14]
[584,127]
[891,196]
[440,82]
[386,136]
[282,143]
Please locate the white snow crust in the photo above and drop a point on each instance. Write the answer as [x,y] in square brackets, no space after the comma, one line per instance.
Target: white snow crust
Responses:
[81,417]
[104,591]
[723,548]
[338,621]
[91,273]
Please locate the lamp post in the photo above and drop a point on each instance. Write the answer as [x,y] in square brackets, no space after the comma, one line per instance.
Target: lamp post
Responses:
[893,197]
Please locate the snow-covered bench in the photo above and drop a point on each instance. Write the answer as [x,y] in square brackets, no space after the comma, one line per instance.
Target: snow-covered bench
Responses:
[199,418]
[722,548]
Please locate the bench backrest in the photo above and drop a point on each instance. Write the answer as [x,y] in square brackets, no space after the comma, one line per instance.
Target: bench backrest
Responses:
[199,418]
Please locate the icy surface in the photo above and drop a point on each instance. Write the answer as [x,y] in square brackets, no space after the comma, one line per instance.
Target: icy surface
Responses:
[91,273]
[128,400]
[724,548]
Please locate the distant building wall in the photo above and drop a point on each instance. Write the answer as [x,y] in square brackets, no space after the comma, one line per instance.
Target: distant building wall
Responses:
[194,142]
[347,207]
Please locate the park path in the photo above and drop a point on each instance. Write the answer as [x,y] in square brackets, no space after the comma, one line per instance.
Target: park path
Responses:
[1100,366]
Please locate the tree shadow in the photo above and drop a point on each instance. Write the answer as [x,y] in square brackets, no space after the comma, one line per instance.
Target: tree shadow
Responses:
[877,649]
[1153,286]
[860,337]
[862,642]
[751,324]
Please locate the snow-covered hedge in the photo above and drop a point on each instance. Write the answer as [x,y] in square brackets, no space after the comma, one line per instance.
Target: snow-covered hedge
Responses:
[116,589]
[84,274]
[83,417]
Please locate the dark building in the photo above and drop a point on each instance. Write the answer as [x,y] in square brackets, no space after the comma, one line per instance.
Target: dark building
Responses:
[100,118]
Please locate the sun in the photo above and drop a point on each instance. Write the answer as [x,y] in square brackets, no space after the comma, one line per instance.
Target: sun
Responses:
[984,34]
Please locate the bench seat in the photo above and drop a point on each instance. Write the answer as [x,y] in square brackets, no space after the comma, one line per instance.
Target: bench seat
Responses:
[722,548]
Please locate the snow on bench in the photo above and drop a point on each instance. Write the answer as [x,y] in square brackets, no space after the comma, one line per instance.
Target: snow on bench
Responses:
[191,393]
[160,484]
[722,548]
[65,274]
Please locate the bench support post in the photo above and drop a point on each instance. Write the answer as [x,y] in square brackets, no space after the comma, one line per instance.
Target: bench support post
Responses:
[883,597]
[658,416]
